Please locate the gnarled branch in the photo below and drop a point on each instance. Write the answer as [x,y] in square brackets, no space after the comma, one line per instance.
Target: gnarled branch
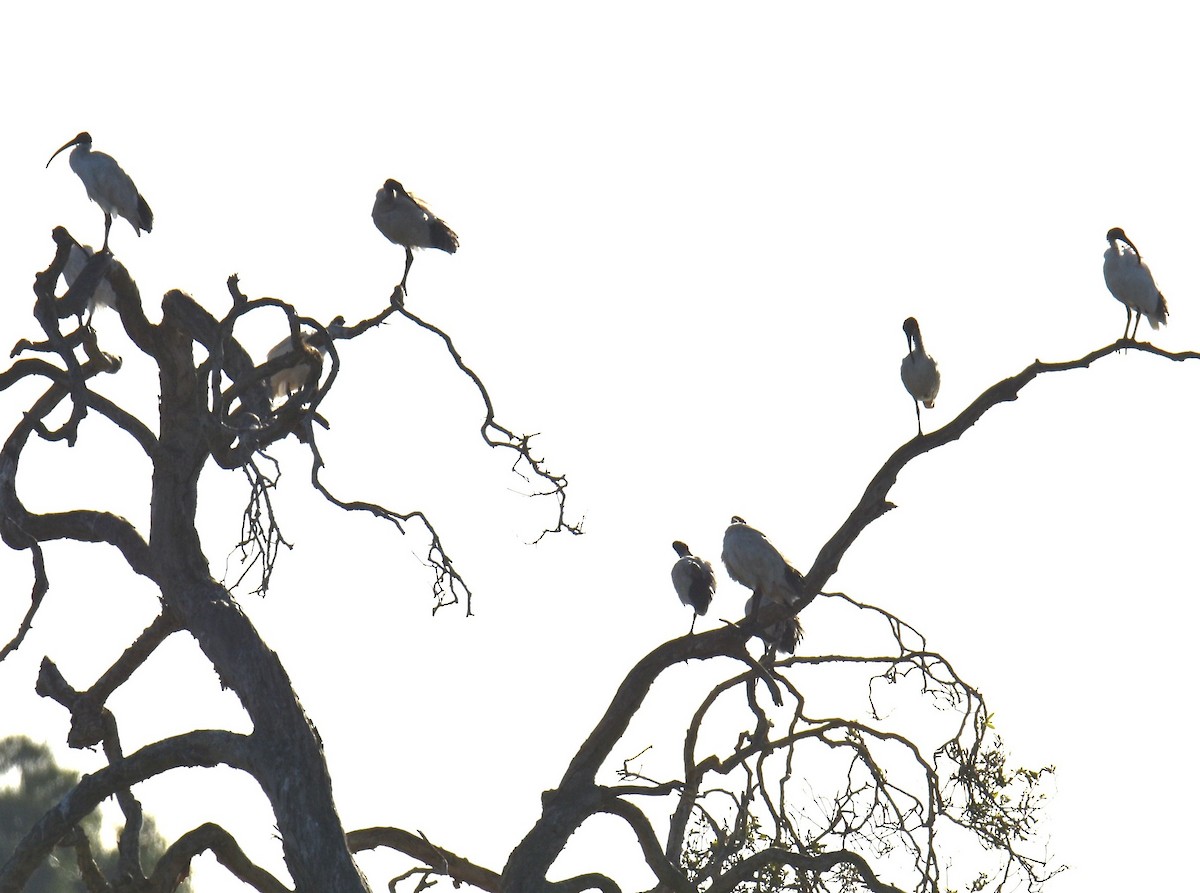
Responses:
[174,865]
[440,861]
[199,748]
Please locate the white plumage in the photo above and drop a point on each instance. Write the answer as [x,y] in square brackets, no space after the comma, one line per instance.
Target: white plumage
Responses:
[406,221]
[752,561]
[694,581]
[1130,281]
[287,381]
[108,186]
[918,370]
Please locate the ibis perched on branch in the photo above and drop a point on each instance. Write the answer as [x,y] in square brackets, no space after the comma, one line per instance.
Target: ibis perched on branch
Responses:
[287,381]
[694,581]
[1129,279]
[752,561]
[108,186]
[406,221]
[918,371]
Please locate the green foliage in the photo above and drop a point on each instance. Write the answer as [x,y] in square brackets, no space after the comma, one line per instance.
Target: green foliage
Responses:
[710,848]
[40,783]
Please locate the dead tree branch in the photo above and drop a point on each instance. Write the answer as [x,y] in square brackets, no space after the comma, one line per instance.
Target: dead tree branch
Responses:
[497,436]
[440,861]
[41,585]
[874,503]
[175,864]
[565,808]
[86,708]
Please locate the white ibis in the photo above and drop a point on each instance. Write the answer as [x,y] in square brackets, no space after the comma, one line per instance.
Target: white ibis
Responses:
[406,221]
[287,381]
[694,581]
[108,186]
[752,561]
[782,636]
[1129,279]
[77,259]
[918,371]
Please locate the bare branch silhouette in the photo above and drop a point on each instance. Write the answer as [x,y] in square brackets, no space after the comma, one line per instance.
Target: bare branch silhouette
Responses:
[496,435]
[440,861]
[175,863]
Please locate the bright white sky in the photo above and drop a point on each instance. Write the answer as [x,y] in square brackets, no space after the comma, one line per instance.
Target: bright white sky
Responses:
[689,238]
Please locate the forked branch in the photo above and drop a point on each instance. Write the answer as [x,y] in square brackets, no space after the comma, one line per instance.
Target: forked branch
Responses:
[568,806]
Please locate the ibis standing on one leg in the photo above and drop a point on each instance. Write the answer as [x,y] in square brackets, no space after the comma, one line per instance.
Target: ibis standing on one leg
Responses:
[918,371]
[406,221]
[694,581]
[1129,279]
[108,186]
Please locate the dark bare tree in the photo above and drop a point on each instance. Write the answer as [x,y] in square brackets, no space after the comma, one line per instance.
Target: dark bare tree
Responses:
[213,408]
[765,792]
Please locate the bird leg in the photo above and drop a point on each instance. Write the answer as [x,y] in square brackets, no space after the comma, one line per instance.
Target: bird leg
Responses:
[107,227]
[917,406]
[1128,320]
[693,627]
[1135,325]
[408,261]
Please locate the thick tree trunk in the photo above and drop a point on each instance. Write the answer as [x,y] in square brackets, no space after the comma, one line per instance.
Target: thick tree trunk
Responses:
[287,757]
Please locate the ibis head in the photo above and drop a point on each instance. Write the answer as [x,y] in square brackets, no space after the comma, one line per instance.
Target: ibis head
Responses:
[681,549]
[83,139]
[1116,233]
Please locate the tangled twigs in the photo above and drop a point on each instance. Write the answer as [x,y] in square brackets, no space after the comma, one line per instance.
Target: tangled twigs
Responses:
[498,436]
